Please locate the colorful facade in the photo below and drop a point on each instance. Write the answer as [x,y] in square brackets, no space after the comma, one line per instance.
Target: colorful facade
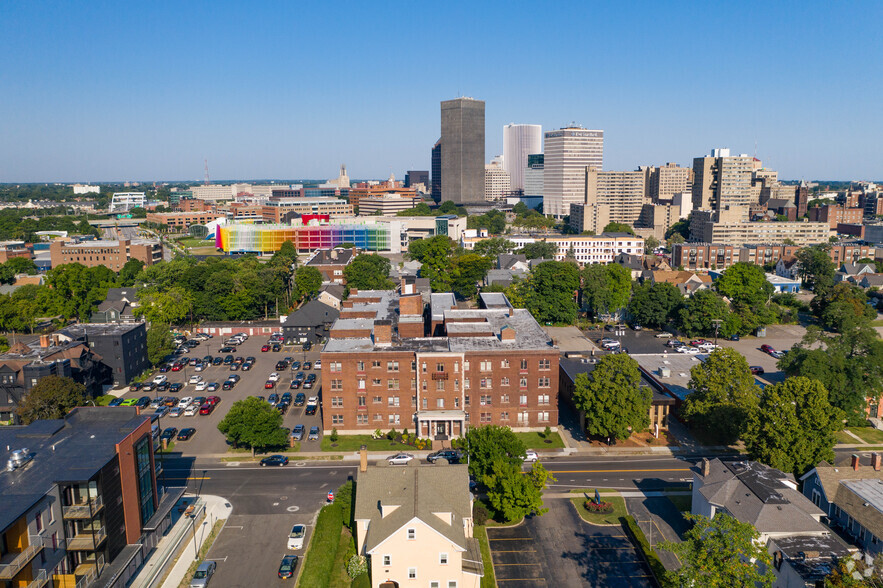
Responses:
[268,238]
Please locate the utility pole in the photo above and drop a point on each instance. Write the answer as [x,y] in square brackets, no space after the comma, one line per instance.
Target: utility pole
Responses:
[717,324]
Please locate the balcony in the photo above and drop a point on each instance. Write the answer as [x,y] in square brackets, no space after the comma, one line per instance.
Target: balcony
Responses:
[12,563]
[41,580]
[83,510]
[87,540]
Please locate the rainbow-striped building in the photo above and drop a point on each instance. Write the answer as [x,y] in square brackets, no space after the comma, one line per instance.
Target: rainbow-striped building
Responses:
[368,235]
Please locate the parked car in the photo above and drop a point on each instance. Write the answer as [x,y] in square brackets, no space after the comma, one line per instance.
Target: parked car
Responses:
[281,365]
[203,574]
[310,409]
[265,348]
[176,387]
[276,347]
[212,387]
[273,399]
[164,386]
[194,379]
[143,402]
[317,365]
[663,335]
[157,402]
[295,384]
[452,455]
[148,387]
[299,399]
[733,338]
[129,402]
[234,377]
[296,537]
[688,350]
[228,385]
[274,460]
[295,365]
[176,411]
[307,346]
[169,433]
[186,434]
[756,370]
[115,402]
[269,384]
[246,366]
[165,368]
[213,400]
[218,360]
[314,434]
[308,365]
[297,433]
[530,455]
[161,411]
[191,410]
[206,409]
[171,401]
[201,386]
[286,397]
[777,354]
[227,349]
[767,348]
[160,379]
[399,459]
[286,568]
[135,386]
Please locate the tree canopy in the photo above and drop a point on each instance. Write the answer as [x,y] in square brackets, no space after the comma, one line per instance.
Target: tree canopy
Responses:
[493,220]
[816,268]
[491,443]
[253,423]
[793,427]
[515,495]
[619,228]
[493,247]
[745,283]
[159,342]
[368,272]
[612,398]
[164,306]
[51,398]
[654,305]
[307,282]
[698,313]
[539,250]
[842,306]
[550,291]
[606,288]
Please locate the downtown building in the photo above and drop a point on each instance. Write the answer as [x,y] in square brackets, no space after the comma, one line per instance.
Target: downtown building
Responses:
[611,196]
[111,254]
[497,183]
[391,363]
[462,150]
[585,249]
[519,141]
[568,152]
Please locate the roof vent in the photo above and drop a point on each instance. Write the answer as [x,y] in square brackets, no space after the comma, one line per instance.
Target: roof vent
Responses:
[18,459]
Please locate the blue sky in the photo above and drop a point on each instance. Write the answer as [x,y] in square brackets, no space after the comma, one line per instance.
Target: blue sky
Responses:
[105,91]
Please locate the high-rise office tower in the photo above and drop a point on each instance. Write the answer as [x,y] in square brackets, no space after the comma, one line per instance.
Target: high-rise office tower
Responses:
[519,141]
[414,177]
[436,171]
[568,152]
[496,180]
[533,176]
[462,150]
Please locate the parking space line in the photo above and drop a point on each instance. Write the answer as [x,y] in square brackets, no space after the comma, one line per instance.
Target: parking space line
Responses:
[523,579]
[518,564]
[516,551]
[513,539]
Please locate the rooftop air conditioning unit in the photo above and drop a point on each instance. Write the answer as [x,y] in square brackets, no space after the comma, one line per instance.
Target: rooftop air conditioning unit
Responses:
[664,372]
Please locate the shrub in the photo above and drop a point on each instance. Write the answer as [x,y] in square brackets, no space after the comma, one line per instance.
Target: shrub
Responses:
[599,507]
[405,437]
[391,435]
[356,566]
[480,514]
[547,432]
[334,435]
[405,433]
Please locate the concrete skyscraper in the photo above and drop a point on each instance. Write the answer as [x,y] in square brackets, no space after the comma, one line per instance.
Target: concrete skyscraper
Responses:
[568,152]
[462,150]
[723,180]
[519,141]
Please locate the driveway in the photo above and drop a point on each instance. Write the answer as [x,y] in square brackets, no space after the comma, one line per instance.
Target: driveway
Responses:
[560,549]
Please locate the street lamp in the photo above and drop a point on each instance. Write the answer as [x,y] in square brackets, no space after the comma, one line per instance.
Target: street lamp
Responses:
[717,323]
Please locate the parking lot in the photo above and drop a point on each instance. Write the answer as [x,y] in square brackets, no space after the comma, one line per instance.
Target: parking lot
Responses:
[208,440]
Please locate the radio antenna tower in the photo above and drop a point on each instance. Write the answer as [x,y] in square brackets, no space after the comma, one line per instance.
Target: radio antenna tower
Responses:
[207,181]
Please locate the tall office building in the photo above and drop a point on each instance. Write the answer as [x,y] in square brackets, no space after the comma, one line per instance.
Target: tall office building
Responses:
[436,171]
[568,152]
[519,141]
[497,183]
[462,150]
[414,177]
[533,176]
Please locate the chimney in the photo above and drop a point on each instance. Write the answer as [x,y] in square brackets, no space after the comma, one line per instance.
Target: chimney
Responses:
[383,332]
[855,462]
[875,461]
[510,311]
[44,341]
[363,458]
[353,291]
[706,466]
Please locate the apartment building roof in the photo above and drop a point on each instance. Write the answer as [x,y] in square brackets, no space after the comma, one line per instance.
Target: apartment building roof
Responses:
[71,449]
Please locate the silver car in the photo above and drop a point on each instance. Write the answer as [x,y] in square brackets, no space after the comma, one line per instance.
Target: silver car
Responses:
[297,432]
[314,434]
[203,574]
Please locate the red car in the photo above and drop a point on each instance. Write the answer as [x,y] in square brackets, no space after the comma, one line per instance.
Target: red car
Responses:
[213,400]
[176,367]
[206,408]
[270,384]
[767,349]
[265,348]
[698,342]
[756,370]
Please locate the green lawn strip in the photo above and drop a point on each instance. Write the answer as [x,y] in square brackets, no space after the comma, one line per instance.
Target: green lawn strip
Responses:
[319,560]
[169,448]
[346,443]
[203,551]
[104,400]
[339,577]
[488,580]
[844,437]
[682,503]
[877,323]
[869,434]
[596,518]
[643,546]
[536,440]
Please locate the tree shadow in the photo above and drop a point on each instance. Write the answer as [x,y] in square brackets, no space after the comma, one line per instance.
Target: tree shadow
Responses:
[602,561]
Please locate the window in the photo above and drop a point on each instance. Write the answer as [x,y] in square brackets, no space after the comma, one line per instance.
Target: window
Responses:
[439,402]
[423,367]
[486,366]
[392,384]
[504,381]
[504,399]
[362,419]
[545,364]
[456,366]
[424,403]
[443,559]
[522,400]
[361,383]
[456,403]
[440,385]
[375,363]
[485,417]
[360,366]
[413,402]
[337,384]
[378,417]
[504,364]
[38,521]
[456,384]
[363,400]
[543,417]
[433,584]
[335,366]
[543,382]
[504,416]
[522,383]
[543,399]
[55,540]
[412,573]
[337,401]
[522,418]
[465,365]
[452,583]
[387,560]
[524,364]
[378,400]
[466,400]
[337,419]
[439,367]
[392,366]
[394,419]
[392,401]
[485,400]
[486,382]
[375,382]
[466,383]
[412,534]
[413,366]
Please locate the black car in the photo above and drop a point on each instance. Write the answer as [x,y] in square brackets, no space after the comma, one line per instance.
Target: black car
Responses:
[143,402]
[228,360]
[165,368]
[186,434]
[234,377]
[164,386]
[135,386]
[299,376]
[299,399]
[228,385]
[286,568]
[273,399]
[191,343]
[733,337]
[246,366]
[218,360]
[234,367]
[295,384]
[116,402]
[274,460]
[148,387]
[311,378]
[308,365]
[286,397]
[452,455]
[276,347]
[308,346]
[169,433]
[176,387]
[282,407]
[281,365]
[227,349]
[311,409]
[295,365]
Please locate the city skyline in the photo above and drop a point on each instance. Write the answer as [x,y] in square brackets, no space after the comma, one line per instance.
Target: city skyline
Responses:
[148,92]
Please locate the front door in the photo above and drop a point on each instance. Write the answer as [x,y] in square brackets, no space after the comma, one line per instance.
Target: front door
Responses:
[440,428]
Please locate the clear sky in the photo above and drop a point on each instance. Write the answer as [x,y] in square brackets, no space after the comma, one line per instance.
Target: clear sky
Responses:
[105,91]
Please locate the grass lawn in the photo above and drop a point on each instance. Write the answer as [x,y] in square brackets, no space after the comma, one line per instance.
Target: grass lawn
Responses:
[488,580]
[611,518]
[319,560]
[535,440]
[681,502]
[203,551]
[104,400]
[339,577]
[842,437]
[355,442]
[194,242]
[877,323]
[869,434]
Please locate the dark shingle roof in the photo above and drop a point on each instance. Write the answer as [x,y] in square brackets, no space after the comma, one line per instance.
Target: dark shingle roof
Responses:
[312,314]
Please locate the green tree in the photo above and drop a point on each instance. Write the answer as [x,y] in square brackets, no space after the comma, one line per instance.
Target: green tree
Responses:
[253,423]
[606,288]
[539,250]
[448,207]
[51,398]
[612,398]
[467,271]
[368,272]
[681,229]
[515,495]
[721,552]
[698,312]
[487,444]
[651,243]
[550,291]
[493,220]
[745,283]
[793,427]
[816,268]
[435,254]
[130,271]
[619,228]
[654,305]
[159,343]
[307,282]
[22,265]
[842,306]
[421,209]
[167,307]
[723,395]
[493,247]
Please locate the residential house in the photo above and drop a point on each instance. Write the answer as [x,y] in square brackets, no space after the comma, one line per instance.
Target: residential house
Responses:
[331,294]
[686,281]
[311,322]
[414,524]
[788,267]
[783,285]
[118,307]
[653,263]
[852,497]
[871,281]
[331,263]
[512,261]
[852,272]
[633,263]
[122,347]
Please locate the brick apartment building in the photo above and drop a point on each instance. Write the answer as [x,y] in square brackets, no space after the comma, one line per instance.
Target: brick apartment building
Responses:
[389,363]
[182,220]
[112,254]
[835,214]
[697,256]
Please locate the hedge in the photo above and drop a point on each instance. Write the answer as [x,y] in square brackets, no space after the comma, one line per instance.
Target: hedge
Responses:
[640,540]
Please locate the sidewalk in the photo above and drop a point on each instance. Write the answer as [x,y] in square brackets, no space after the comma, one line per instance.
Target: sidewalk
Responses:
[216,508]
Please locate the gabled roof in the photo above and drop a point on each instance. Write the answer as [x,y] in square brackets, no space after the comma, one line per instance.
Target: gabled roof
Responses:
[335,290]
[852,269]
[627,260]
[418,491]
[873,279]
[682,277]
[129,295]
[508,260]
[312,314]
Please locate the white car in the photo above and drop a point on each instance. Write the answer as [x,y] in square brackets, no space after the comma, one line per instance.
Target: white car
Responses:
[708,347]
[185,402]
[313,400]
[530,455]
[191,410]
[195,379]
[663,335]
[296,537]
[176,411]
[688,350]
[202,385]
[160,379]
[317,365]
[274,377]
[199,367]
[399,459]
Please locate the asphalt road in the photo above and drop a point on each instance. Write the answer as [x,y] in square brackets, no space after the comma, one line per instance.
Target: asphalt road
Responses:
[618,472]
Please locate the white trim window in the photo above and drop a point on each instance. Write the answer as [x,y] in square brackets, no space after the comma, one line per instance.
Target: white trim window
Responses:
[442,559]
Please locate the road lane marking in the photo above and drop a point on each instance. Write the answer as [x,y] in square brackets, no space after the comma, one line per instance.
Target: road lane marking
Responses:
[617,471]
[206,478]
